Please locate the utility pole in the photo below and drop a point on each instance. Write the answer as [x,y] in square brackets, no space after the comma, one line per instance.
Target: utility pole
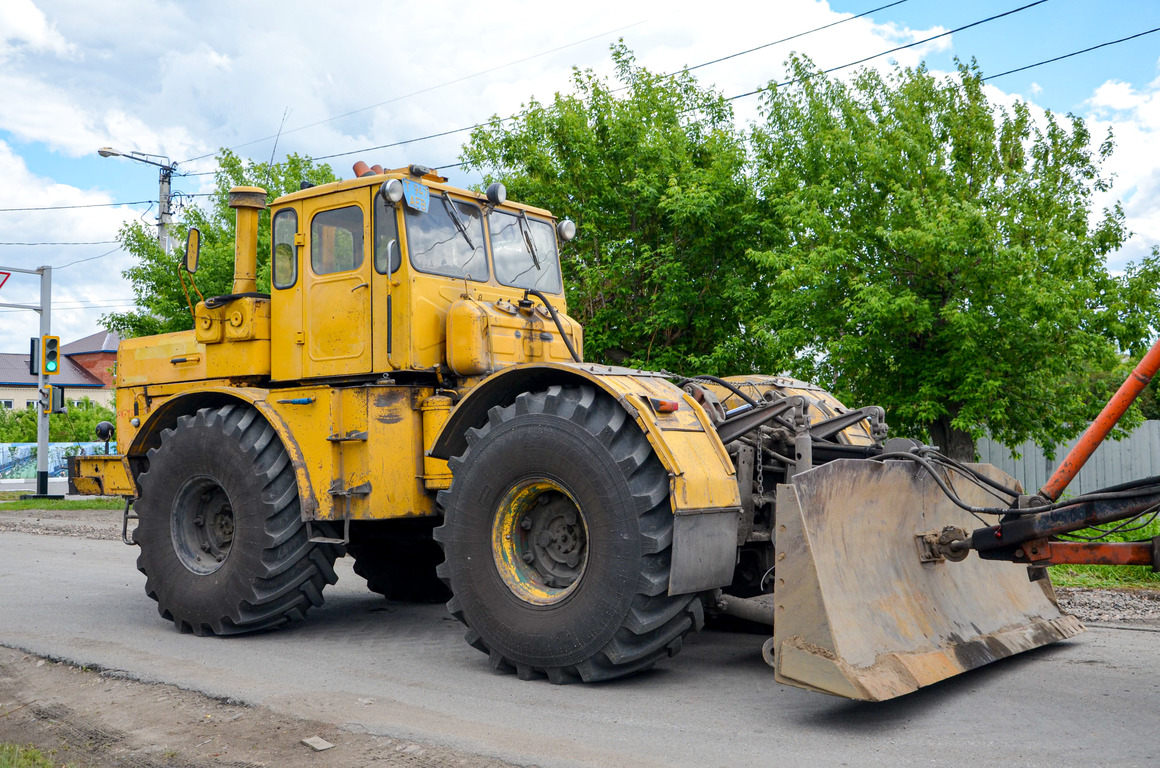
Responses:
[42,385]
[164,206]
[165,212]
[45,310]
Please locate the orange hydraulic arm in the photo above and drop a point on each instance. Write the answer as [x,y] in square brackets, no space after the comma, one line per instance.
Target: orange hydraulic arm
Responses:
[1095,434]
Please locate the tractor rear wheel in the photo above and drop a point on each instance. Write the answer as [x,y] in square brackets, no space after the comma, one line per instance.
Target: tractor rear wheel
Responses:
[558,541]
[224,549]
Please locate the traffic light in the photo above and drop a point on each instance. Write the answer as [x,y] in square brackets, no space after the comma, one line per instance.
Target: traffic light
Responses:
[50,355]
[54,403]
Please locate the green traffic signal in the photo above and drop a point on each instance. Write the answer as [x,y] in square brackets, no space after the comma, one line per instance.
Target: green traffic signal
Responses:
[50,355]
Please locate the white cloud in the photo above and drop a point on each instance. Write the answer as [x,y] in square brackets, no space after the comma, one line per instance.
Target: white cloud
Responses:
[74,288]
[1133,116]
[24,28]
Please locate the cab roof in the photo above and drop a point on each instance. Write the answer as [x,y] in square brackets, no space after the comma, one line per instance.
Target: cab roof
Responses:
[429,179]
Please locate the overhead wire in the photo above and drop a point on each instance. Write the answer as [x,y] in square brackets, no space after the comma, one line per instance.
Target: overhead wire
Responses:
[90,258]
[464,129]
[894,50]
[424,90]
[100,205]
[1073,53]
[71,242]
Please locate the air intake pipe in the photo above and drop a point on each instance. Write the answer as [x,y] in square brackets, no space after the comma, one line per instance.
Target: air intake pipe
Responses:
[248,201]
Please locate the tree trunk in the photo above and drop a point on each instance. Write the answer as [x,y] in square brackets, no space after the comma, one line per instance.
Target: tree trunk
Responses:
[951,441]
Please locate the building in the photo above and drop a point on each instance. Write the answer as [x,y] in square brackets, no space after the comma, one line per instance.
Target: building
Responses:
[86,371]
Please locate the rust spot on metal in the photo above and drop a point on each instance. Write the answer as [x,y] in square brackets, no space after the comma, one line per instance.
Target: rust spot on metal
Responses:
[391,397]
[388,417]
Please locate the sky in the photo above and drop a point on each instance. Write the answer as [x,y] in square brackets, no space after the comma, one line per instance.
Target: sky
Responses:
[183,79]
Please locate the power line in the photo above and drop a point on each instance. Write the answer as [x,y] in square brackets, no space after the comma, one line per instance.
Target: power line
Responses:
[66,207]
[1073,53]
[791,37]
[697,66]
[423,90]
[99,205]
[90,258]
[896,49]
[73,242]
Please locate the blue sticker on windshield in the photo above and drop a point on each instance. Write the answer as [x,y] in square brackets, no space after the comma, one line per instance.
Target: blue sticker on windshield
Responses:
[416,195]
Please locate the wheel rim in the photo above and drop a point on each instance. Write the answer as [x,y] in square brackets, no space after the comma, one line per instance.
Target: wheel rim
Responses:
[202,525]
[540,542]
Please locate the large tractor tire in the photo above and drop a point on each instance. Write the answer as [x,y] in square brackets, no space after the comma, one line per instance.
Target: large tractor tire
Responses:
[558,541]
[398,560]
[224,549]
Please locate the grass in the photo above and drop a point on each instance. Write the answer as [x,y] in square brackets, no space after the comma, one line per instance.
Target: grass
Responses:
[96,503]
[1110,576]
[14,756]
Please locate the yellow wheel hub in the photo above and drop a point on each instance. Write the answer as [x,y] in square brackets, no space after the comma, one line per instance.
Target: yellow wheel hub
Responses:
[539,540]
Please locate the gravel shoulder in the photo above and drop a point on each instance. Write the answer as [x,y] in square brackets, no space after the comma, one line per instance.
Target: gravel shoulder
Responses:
[98,718]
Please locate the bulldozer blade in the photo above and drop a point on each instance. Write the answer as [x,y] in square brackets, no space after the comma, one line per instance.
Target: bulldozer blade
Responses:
[859,614]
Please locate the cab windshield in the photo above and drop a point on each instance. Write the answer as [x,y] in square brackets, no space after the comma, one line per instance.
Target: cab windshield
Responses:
[523,251]
[447,239]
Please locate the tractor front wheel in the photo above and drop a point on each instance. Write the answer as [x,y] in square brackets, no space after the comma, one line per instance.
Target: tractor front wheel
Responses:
[558,541]
[224,549]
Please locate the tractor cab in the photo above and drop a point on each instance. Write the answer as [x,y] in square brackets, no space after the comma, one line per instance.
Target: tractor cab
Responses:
[396,271]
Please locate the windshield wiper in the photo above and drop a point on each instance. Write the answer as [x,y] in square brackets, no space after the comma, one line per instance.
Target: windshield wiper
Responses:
[450,208]
[526,231]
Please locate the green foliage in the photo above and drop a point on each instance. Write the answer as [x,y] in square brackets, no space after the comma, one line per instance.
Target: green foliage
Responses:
[938,256]
[65,504]
[162,303]
[15,756]
[78,425]
[654,177]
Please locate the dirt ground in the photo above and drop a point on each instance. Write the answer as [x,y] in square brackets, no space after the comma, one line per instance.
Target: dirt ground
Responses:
[99,719]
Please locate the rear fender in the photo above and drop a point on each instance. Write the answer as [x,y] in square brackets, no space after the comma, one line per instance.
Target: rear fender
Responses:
[167,413]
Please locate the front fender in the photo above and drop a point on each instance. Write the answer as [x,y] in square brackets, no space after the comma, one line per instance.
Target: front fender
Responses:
[702,477]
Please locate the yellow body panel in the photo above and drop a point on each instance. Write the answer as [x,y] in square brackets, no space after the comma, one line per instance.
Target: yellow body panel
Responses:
[702,476]
[101,476]
[161,359]
[358,451]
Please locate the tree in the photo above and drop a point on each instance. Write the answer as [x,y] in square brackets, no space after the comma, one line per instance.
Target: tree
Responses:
[939,256]
[654,178]
[77,425]
[164,305]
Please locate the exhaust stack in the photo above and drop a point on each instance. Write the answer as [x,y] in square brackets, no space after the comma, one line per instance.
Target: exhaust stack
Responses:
[248,201]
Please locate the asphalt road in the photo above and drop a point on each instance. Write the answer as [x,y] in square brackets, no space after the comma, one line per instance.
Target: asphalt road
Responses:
[404,671]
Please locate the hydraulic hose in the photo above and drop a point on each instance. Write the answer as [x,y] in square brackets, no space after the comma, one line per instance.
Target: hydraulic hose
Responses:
[556,320]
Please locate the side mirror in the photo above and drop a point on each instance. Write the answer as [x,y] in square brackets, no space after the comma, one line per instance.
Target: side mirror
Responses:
[192,250]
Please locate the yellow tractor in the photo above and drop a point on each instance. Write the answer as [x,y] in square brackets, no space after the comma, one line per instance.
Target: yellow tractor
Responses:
[412,393]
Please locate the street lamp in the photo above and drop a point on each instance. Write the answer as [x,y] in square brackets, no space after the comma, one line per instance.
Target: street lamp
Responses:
[165,213]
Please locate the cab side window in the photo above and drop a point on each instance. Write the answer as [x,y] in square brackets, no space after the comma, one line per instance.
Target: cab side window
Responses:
[285,258]
[336,240]
[387,256]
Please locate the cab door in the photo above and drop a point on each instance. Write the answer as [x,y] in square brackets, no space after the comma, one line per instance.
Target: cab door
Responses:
[336,311]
